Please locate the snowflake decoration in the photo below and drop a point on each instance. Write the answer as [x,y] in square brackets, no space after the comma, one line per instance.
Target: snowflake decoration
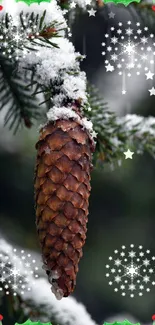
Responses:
[15,36]
[131,271]
[11,278]
[130,50]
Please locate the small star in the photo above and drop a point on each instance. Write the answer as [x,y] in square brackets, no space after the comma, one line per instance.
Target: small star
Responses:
[109,48]
[48,150]
[119,31]
[152,91]
[111,14]
[123,92]
[94,134]
[73,4]
[109,67]
[92,12]
[128,154]
[149,75]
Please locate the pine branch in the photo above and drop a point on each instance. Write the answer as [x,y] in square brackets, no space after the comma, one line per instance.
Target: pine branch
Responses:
[21,107]
[116,134]
[64,85]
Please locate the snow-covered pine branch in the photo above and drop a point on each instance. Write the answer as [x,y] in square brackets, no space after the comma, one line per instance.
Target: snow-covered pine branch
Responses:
[67,311]
[117,134]
[57,70]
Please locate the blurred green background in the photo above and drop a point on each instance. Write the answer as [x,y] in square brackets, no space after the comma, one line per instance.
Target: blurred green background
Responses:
[122,201]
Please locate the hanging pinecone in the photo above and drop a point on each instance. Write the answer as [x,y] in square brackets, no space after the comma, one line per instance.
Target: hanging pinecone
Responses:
[62,189]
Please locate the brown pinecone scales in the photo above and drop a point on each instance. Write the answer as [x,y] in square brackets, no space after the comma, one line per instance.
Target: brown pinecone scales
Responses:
[62,190]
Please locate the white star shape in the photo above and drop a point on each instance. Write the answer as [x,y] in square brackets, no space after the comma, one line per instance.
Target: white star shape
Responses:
[128,154]
[72,4]
[114,40]
[48,150]
[109,48]
[123,92]
[109,67]
[149,75]
[152,91]
[111,14]
[146,262]
[94,134]
[92,12]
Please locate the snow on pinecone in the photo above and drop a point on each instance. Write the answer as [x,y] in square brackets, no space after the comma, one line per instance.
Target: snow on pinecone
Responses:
[62,190]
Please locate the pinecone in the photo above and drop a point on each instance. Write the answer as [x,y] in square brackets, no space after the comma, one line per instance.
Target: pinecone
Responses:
[62,189]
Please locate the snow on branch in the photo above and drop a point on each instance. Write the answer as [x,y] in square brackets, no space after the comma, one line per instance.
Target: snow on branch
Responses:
[67,311]
[117,134]
[57,71]
[53,11]
[143,126]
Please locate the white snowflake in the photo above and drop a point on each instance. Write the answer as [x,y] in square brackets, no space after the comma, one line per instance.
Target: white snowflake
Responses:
[132,51]
[131,272]
[15,37]
[14,272]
